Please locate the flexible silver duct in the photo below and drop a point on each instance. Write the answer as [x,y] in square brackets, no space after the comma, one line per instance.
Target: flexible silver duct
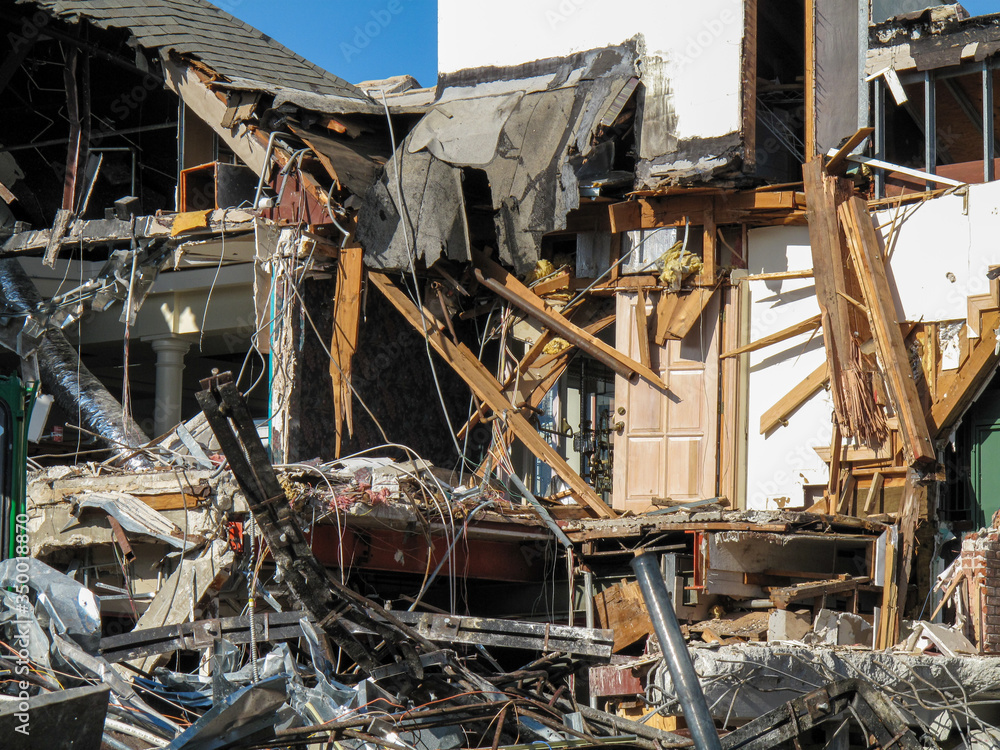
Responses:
[64,376]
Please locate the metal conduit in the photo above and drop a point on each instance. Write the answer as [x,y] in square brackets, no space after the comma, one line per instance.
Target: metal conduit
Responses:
[675,653]
[73,386]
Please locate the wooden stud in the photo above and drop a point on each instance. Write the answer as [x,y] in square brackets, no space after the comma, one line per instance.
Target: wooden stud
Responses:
[778,275]
[805,326]
[787,404]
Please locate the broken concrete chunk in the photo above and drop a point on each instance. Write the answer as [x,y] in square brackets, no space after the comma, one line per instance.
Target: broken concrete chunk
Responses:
[786,625]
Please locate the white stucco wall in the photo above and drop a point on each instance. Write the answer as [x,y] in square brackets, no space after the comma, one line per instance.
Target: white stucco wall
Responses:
[779,464]
[943,250]
[694,47]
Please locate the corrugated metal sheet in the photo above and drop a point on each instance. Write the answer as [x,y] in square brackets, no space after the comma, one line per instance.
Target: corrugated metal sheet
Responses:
[198,28]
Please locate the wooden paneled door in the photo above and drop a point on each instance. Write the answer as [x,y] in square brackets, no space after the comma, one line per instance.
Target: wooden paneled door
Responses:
[667,447]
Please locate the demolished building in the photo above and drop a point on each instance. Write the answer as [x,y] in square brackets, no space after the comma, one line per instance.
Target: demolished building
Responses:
[356,403]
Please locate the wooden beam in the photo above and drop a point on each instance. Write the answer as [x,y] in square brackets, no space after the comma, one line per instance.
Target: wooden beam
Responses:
[870,264]
[823,195]
[810,324]
[495,277]
[344,342]
[778,275]
[779,413]
[839,159]
[485,386]
[981,363]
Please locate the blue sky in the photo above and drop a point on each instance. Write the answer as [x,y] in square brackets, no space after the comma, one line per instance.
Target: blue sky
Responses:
[358,40]
[981,7]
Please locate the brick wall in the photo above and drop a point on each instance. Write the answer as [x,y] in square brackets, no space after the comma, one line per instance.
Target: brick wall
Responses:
[980,559]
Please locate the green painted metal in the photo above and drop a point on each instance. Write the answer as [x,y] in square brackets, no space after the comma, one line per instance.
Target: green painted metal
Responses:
[16,402]
[985,463]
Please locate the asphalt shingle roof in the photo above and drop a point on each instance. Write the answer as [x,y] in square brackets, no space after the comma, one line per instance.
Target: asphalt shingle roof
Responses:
[195,27]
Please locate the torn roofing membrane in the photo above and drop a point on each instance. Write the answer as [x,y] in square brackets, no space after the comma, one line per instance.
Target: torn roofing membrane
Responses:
[530,137]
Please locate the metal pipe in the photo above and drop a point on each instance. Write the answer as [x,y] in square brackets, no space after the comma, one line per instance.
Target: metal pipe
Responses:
[63,376]
[568,332]
[553,526]
[675,653]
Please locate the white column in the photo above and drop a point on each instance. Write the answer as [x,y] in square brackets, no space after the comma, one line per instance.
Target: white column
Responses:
[170,352]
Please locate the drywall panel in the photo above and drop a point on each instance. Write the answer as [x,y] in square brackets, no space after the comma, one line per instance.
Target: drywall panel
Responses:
[692,51]
[940,251]
[781,463]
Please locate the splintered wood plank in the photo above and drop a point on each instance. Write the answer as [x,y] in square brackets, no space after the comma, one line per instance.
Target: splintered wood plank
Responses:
[344,342]
[665,307]
[870,265]
[805,326]
[689,308]
[909,514]
[957,394]
[787,404]
[461,359]
[620,608]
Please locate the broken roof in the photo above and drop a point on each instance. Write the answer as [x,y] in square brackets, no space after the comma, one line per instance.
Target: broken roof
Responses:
[197,28]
